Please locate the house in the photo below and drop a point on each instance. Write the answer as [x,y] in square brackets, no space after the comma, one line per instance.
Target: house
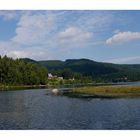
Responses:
[60,78]
[50,76]
[72,79]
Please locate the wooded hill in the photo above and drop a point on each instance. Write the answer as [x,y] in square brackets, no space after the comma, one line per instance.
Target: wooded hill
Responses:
[98,71]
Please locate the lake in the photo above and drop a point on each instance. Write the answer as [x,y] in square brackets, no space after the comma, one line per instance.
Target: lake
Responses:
[37,109]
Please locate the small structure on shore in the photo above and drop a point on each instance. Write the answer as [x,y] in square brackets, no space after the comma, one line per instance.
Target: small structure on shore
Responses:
[55,91]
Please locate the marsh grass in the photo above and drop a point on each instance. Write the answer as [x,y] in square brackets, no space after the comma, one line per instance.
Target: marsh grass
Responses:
[110,91]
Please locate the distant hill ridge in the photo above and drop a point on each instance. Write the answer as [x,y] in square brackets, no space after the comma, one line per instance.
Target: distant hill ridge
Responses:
[92,68]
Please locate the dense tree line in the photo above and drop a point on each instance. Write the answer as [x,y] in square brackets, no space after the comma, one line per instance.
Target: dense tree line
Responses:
[19,72]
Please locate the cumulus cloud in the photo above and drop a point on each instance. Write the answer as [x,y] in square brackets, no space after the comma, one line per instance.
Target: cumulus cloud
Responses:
[74,35]
[17,54]
[20,52]
[33,29]
[39,34]
[122,37]
[6,47]
[35,53]
[116,31]
[9,15]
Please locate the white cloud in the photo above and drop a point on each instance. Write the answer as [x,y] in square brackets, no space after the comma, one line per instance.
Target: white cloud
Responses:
[97,21]
[9,15]
[36,53]
[33,29]
[131,59]
[116,31]
[122,37]
[73,35]
[15,51]
[6,47]
[17,54]
[49,34]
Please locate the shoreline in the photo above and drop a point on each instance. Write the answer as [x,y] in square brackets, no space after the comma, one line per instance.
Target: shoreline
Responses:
[20,87]
[99,91]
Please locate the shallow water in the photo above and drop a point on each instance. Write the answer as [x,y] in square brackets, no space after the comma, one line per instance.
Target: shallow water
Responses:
[34,109]
[133,83]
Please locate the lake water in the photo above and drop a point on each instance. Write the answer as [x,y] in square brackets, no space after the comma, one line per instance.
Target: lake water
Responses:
[133,83]
[34,109]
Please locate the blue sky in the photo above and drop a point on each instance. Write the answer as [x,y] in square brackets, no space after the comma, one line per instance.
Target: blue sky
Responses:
[107,36]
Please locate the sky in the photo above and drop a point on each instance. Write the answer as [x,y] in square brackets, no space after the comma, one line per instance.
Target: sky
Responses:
[104,36]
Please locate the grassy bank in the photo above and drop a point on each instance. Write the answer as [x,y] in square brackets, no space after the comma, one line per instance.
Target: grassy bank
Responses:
[20,87]
[110,91]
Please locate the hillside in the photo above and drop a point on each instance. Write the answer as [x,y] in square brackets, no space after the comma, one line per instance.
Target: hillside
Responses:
[83,66]
[97,70]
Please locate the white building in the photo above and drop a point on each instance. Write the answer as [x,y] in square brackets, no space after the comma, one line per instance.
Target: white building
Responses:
[50,76]
[60,78]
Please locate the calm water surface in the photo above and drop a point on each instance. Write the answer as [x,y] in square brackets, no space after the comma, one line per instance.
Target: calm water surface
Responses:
[33,109]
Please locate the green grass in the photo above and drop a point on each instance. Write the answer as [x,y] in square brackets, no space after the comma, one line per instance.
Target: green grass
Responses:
[20,87]
[110,91]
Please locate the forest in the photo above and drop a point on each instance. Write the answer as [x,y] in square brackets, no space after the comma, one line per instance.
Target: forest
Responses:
[19,72]
[30,72]
[97,71]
